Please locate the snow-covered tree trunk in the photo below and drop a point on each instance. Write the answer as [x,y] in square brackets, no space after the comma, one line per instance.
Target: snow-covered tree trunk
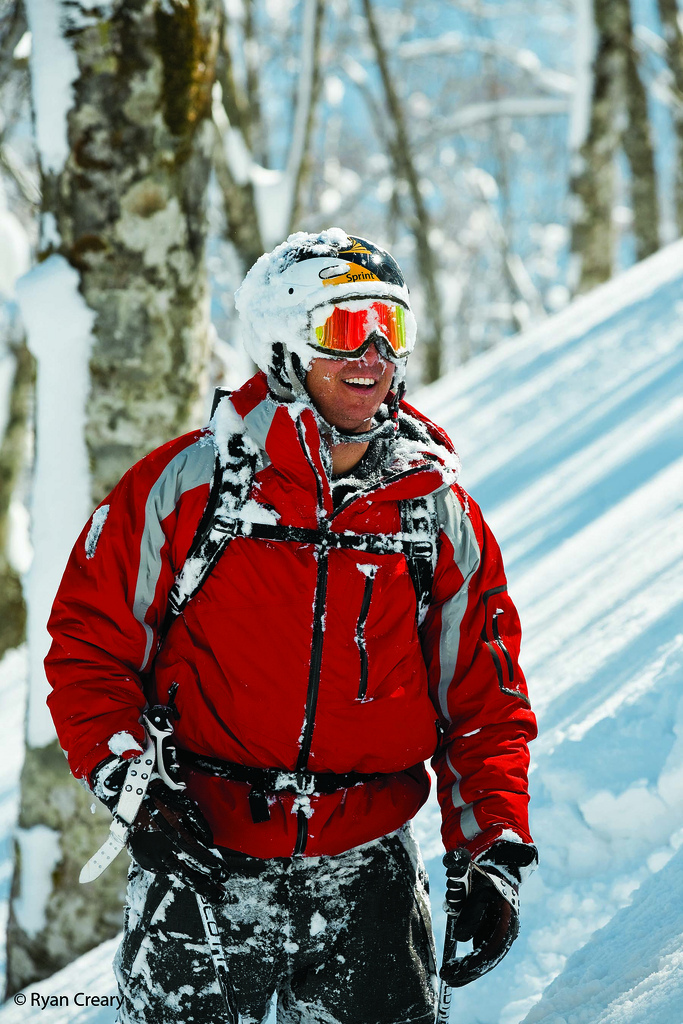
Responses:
[618,117]
[116,315]
[671,27]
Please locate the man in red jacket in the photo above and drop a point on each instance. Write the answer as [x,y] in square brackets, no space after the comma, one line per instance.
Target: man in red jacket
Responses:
[306,598]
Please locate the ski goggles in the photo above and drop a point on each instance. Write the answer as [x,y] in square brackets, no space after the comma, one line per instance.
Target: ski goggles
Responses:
[347,333]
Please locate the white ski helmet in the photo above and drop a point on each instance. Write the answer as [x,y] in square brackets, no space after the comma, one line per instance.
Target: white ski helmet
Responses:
[303,276]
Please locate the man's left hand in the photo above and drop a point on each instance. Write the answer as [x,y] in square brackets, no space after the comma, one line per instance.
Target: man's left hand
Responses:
[487,909]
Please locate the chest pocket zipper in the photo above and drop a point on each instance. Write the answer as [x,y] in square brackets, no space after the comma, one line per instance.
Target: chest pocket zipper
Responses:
[369,572]
[496,647]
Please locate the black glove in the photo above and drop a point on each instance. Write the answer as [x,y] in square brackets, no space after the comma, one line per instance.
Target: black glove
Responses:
[482,902]
[170,834]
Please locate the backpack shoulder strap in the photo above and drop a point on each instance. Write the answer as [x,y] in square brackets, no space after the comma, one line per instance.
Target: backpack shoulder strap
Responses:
[230,489]
[420,527]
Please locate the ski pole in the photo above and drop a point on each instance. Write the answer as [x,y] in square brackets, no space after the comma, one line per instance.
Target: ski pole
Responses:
[458,867]
[450,946]
[218,956]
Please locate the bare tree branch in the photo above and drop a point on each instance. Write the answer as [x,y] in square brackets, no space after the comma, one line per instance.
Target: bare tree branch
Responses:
[452,43]
[476,114]
[27,182]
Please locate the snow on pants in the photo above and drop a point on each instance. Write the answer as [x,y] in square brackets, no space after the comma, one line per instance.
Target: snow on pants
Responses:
[341,940]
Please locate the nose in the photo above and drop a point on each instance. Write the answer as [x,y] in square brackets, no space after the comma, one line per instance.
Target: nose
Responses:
[371,355]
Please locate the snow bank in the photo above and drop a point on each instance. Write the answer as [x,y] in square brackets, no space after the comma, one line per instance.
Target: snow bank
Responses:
[68,996]
[54,69]
[631,971]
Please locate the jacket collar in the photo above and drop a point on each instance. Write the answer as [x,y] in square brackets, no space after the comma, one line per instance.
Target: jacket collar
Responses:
[287,435]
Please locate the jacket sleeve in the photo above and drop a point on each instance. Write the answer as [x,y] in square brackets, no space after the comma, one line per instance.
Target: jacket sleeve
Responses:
[471,639]
[112,599]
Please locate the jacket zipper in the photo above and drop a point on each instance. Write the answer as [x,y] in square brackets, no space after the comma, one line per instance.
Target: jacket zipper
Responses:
[301,833]
[498,639]
[318,633]
[360,636]
[496,647]
[313,685]
[316,659]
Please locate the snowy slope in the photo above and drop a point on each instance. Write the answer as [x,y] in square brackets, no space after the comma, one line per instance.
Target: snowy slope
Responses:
[572,441]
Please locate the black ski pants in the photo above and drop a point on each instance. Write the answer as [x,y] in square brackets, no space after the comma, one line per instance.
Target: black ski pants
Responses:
[341,940]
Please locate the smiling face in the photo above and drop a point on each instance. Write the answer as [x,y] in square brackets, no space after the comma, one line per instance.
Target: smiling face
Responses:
[348,392]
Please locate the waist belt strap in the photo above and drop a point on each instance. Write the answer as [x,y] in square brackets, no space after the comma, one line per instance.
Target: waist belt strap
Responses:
[270,781]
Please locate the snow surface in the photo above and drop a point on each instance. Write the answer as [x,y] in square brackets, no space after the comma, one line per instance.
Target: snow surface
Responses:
[15,250]
[572,441]
[58,327]
[40,855]
[54,69]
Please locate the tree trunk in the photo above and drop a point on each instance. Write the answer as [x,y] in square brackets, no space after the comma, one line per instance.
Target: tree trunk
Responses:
[637,142]
[125,206]
[671,28]
[618,116]
[593,179]
[130,207]
[12,459]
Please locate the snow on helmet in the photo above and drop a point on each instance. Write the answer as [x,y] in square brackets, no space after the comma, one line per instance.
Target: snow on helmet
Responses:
[309,272]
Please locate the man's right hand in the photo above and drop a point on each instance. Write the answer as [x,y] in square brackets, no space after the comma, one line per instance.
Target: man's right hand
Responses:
[169,833]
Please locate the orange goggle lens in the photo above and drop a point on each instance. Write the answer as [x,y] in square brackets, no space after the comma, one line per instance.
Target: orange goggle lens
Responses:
[346,330]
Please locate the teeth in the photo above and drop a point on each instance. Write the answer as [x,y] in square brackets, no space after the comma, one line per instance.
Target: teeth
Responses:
[360,380]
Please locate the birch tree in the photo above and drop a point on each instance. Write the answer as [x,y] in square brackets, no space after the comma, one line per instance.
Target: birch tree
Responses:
[116,315]
[670,18]
[617,118]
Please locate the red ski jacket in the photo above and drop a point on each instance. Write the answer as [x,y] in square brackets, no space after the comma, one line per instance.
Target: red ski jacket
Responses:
[287,657]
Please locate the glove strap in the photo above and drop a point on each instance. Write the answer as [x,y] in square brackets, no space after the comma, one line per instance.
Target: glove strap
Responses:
[132,794]
[505,888]
[159,728]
